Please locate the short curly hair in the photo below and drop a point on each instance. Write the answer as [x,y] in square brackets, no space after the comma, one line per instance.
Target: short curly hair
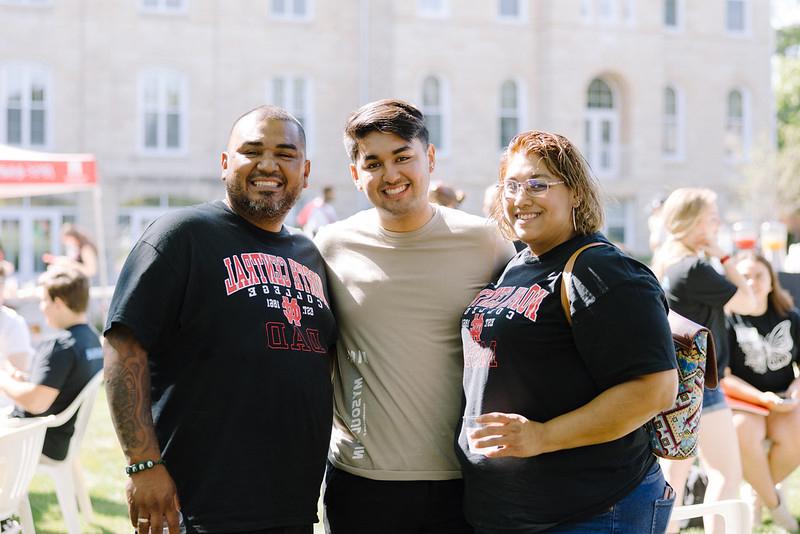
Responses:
[565,162]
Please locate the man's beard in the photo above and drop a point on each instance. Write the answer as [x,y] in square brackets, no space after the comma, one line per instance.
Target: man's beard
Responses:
[267,207]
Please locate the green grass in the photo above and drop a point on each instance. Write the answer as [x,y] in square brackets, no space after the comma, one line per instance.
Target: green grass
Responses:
[103,462]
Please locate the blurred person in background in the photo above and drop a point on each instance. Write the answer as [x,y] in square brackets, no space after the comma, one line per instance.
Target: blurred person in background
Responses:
[764,347]
[318,212]
[445,195]
[15,339]
[63,365]
[80,251]
[697,291]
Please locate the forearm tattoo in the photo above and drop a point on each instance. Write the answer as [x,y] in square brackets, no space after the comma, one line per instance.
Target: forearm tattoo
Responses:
[128,389]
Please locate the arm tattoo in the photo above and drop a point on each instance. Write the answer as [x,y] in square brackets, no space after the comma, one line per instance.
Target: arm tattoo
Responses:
[128,389]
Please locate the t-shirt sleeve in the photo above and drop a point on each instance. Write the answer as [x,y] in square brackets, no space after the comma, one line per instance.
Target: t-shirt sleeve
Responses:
[52,365]
[708,286]
[624,333]
[15,337]
[149,292]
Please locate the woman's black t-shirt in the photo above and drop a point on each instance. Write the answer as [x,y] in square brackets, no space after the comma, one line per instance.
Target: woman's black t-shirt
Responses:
[698,292]
[764,347]
[521,356]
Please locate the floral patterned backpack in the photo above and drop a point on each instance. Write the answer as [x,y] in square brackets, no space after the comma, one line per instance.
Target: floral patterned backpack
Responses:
[675,431]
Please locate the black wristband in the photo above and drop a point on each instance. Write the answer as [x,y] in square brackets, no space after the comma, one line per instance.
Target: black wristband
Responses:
[141,466]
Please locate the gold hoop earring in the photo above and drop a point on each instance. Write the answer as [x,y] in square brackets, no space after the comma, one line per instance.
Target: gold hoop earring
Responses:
[574,224]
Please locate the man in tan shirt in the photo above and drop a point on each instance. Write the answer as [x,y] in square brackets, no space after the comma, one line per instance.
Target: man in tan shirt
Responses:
[400,275]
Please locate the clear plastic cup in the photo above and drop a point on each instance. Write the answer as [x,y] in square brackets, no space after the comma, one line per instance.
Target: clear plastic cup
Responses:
[470,426]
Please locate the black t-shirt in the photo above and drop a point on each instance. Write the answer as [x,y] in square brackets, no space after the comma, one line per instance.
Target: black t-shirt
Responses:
[698,292]
[763,348]
[238,330]
[521,356]
[66,363]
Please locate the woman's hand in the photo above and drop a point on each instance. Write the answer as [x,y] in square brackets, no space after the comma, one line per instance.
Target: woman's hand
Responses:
[516,435]
[776,403]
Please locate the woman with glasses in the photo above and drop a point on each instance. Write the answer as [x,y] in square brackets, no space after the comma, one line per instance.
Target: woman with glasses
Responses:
[697,291]
[552,438]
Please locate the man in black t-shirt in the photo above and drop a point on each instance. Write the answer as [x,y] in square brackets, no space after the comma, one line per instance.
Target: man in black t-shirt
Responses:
[218,351]
[62,366]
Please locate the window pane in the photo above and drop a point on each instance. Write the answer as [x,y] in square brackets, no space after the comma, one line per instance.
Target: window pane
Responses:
[9,231]
[434,124]
[173,130]
[14,126]
[37,127]
[173,97]
[278,7]
[670,104]
[599,95]
[605,8]
[430,92]
[174,4]
[151,130]
[508,95]
[300,8]
[670,137]
[735,105]
[149,3]
[671,12]
[278,98]
[150,96]
[509,126]
[42,233]
[509,8]
[431,6]
[299,96]
[735,15]
[37,93]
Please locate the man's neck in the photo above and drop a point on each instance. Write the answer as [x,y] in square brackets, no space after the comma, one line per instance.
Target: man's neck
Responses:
[406,223]
[72,320]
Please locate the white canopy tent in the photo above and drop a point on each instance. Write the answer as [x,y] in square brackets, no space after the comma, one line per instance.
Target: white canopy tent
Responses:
[25,173]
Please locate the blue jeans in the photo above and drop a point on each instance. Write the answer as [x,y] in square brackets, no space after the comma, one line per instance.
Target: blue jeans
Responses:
[645,510]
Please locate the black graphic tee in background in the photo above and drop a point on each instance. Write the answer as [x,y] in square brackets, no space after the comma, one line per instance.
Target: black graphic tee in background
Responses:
[66,363]
[698,292]
[763,349]
[521,356]
[238,329]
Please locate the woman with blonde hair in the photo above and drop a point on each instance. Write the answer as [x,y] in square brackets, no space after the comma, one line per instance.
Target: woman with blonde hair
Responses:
[697,291]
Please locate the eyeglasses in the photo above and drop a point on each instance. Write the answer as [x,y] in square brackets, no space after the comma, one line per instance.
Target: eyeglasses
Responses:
[533,187]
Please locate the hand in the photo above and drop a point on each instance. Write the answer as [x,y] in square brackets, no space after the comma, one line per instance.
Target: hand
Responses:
[714,250]
[48,258]
[152,496]
[778,404]
[516,435]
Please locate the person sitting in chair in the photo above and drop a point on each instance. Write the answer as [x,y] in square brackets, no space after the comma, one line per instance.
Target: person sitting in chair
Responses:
[62,366]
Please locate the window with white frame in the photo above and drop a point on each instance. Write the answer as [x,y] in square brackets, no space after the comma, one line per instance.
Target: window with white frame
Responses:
[290,9]
[601,135]
[293,93]
[511,10]
[619,225]
[163,105]
[671,13]
[25,93]
[432,8]
[164,6]
[672,134]
[629,11]
[736,16]
[433,107]
[510,112]
[737,134]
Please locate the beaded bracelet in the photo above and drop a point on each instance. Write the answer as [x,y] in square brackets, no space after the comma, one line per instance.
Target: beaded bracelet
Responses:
[141,466]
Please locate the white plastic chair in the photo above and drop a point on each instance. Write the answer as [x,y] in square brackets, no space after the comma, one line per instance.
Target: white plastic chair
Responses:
[20,448]
[735,512]
[67,474]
